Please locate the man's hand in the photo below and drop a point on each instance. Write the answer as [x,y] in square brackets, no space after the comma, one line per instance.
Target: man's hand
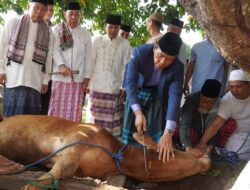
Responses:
[44,89]
[85,84]
[165,147]
[194,151]
[64,70]
[2,78]
[201,147]
[140,122]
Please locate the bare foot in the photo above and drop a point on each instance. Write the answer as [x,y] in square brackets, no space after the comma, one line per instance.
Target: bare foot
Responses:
[9,167]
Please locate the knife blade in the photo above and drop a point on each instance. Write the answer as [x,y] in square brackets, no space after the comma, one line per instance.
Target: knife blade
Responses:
[144,153]
[75,72]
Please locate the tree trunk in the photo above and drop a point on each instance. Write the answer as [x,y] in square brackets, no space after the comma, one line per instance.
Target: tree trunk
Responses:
[227,23]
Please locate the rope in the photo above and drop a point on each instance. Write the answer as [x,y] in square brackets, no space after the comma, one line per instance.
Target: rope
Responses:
[117,156]
[232,156]
[53,186]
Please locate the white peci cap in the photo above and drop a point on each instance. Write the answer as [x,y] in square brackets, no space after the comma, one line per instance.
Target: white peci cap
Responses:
[238,75]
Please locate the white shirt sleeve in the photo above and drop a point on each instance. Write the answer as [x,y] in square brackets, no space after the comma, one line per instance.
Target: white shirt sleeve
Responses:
[46,76]
[4,43]
[93,56]
[88,58]
[224,110]
[127,54]
[57,56]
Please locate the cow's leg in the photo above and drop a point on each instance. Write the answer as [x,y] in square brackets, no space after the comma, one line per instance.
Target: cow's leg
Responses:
[7,166]
[65,166]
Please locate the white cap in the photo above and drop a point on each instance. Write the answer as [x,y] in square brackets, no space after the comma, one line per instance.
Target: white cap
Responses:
[238,75]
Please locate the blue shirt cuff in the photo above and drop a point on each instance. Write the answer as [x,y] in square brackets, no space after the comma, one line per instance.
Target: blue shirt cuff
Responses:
[135,107]
[171,125]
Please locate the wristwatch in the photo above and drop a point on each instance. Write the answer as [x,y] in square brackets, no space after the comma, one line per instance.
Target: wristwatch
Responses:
[170,131]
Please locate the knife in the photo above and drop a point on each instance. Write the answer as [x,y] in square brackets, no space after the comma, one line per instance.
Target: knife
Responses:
[76,72]
[144,153]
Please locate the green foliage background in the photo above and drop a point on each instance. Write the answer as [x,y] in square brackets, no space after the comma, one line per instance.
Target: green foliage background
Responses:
[133,12]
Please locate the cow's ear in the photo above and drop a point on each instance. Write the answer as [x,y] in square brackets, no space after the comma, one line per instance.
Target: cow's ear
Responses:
[145,140]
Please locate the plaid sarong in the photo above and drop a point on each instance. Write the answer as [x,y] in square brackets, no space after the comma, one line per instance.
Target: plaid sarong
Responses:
[18,40]
[66,39]
[224,133]
[106,110]
[21,100]
[66,100]
[147,94]
[151,108]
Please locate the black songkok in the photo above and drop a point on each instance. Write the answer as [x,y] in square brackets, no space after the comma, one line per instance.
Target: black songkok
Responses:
[72,6]
[113,19]
[125,27]
[211,88]
[40,1]
[177,22]
[170,43]
[50,2]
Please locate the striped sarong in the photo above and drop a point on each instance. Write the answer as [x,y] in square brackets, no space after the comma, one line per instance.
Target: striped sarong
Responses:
[66,100]
[106,110]
[152,109]
[21,100]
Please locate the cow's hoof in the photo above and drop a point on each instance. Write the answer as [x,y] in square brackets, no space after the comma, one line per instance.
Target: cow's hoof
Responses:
[30,187]
[9,167]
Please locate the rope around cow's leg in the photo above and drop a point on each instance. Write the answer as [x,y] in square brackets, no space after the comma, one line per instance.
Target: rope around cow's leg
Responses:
[54,185]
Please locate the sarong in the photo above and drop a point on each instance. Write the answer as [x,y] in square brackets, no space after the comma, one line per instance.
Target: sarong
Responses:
[21,100]
[66,100]
[152,109]
[106,110]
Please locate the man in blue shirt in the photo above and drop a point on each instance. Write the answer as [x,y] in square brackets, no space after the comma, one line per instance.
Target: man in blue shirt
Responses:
[154,80]
[205,63]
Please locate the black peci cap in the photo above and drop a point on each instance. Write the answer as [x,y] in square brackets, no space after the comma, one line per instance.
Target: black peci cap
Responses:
[170,43]
[211,88]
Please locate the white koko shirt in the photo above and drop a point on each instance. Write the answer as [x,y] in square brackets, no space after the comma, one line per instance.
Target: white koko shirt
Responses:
[109,60]
[76,58]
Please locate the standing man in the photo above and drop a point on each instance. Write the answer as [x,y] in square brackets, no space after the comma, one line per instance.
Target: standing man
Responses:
[154,82]
[124,31]
[106,99]
[205,63]
[27,43]
[154,24]
[235,104]
[176,26]
[49,13]
[72,52]
[46,97]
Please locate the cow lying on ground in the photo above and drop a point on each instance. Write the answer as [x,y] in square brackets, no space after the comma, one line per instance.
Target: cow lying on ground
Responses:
[26,139]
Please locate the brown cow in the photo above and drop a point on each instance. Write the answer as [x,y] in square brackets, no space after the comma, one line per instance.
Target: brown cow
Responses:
[26,139]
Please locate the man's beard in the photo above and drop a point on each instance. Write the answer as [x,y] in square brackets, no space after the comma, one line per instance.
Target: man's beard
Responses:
[203,111]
